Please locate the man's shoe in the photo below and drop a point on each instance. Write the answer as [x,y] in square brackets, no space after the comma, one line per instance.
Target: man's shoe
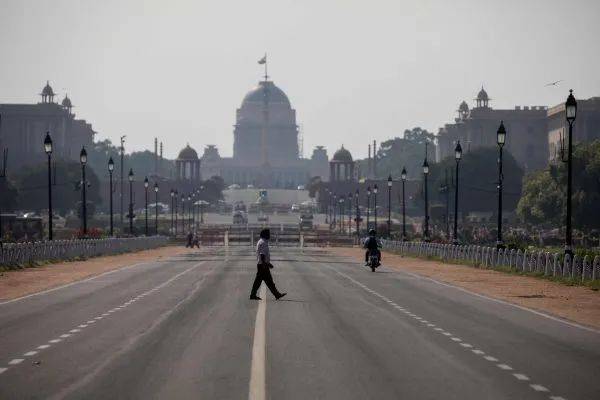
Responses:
[280,296]
[255,298]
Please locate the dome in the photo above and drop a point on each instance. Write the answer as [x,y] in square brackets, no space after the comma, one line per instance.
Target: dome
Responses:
[47,90]
[66,103]
[482,95]
[342,155]
[463,107]
[187,153]
[257,95]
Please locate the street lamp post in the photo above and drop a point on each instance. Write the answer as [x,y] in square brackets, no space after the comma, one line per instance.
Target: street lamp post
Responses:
[327,206]
[111,168]
[368,205]
[172,211]
[146,183]
[334,206]
[190,213]
[357,214]
[176,202]
[403,177]
[48,150]
[389,222]
[183,213]
[349,213]
[201,207]
[156,207]
[122,198]
[571,113]
[194,207]
[425,174]
[341,213]
[501,139]
[457,157]
[130,178]
[83,160]
[375,190]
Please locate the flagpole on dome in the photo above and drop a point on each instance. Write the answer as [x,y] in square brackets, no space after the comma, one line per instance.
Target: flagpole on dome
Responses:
[263,61]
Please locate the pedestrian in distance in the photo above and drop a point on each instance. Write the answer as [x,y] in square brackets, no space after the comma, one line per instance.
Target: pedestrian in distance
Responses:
[263,267]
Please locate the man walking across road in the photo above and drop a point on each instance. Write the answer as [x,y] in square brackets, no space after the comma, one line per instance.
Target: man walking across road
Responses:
[263,266]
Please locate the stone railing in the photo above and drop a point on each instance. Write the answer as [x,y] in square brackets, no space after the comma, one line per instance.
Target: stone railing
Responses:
[546,263]
[27,253]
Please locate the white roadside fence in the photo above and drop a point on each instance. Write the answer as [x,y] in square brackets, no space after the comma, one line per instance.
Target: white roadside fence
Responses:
[546,263]
[27,253]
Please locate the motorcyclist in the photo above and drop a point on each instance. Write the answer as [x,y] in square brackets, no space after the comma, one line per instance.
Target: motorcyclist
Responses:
[372,245]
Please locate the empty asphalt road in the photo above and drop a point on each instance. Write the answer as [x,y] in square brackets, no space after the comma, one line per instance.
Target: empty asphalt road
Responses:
[183,328]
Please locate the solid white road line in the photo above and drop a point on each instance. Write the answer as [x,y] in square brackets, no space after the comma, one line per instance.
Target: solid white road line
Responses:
[257,370]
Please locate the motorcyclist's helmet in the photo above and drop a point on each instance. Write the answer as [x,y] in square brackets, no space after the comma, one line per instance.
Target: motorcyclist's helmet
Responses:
[371,232]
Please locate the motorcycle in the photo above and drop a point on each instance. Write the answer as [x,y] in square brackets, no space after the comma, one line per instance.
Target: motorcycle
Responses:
[374,260]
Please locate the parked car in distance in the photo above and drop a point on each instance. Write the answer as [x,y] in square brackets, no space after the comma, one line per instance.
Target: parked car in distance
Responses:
[306,221]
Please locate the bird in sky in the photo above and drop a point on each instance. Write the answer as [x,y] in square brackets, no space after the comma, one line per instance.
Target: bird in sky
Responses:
[553,83]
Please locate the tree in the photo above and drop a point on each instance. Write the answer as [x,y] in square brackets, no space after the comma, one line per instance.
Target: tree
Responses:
[544,193]
[32,184]
[396,153]
[542,201]
[478,181]
[142,162]
[8,195]
[213,189]
[313,186]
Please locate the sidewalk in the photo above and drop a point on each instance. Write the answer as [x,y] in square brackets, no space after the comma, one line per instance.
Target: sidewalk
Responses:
[26,281]
[575,303]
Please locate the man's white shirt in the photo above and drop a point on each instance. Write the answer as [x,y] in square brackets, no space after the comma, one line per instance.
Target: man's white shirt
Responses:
[262,247]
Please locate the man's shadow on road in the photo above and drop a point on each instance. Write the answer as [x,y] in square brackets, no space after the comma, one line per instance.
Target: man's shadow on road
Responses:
[291,301]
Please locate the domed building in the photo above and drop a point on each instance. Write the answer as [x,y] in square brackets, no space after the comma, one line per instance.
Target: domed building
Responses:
[341,166]
[482,99]
[24,126]
[187,165]
[265,128]
[266,149]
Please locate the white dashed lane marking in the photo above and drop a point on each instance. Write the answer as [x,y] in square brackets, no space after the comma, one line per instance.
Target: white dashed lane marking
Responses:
[539,388]
[502,366]
[79,328]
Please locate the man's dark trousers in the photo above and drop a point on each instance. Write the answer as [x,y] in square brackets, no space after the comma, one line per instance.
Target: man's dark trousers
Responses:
[263,274]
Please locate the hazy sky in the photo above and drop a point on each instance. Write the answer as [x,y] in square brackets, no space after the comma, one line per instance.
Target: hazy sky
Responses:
[353,70]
